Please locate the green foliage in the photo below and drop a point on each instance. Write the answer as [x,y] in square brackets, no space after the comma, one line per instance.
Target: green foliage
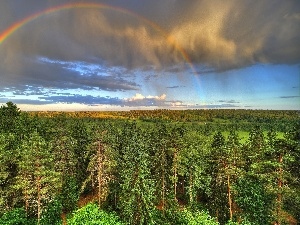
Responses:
[292,203]
[91,215]
[69,194]
[52,213]
[254,200]
[37,179]
[193,164]
[8,117]
[218,199]
[62,149]
[198,218]
[157,170]
[80,134]
[136,184]
[16,216]
[244,222]
[7,168]
[188,217]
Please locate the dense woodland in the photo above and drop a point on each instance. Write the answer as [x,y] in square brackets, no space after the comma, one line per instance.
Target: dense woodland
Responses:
[149,167]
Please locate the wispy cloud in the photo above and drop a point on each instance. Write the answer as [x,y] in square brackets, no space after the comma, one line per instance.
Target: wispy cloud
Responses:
[175,86]
[292,96]
[229,101]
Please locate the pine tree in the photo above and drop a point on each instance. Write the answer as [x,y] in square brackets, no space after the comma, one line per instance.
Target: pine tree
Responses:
[8,170]
[80,134]
[8,117]
[219,186]
[62,150]
[193,165]
[100,166]
[136,184]
[37,178]
[161,165]
[233,168]
[256,208]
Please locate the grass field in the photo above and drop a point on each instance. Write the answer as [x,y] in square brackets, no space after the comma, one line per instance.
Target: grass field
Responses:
[244,135]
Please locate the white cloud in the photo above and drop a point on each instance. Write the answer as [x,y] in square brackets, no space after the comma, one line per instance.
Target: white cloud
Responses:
[140,97]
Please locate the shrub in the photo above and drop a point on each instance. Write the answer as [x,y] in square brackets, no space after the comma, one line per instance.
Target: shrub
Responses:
[91,215]
[16,217]
[51,214]
[198,218]
[190,217]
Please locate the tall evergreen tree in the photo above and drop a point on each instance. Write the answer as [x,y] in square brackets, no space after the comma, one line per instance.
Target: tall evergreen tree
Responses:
[37,178]
[233,168]
[219,206]
[193,164]
[8,116]
[80,133]
[100,166]
[8,171]
[162,162]
[257,179]
[136,184]
[62,151]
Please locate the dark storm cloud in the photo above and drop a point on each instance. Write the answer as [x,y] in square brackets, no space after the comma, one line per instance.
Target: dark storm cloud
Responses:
[216,35]
[221,34]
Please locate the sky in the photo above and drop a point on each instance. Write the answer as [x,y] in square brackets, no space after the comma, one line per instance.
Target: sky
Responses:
[65,55]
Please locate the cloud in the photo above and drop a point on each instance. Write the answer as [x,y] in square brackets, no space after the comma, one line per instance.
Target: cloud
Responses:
[87,99]
[137,101]
[175,86]
[138,97]
[292,96]
[220,34]
[229,101]
[23,101]
[114,50]
[223,106]
[140,100]
[67,75]
[232,34]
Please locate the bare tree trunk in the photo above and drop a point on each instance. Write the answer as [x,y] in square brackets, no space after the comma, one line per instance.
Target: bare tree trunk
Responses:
[175,176]
[99,172]
[229,197]
[26,201]
[191,187]
[39,199]
[163,193]
[279,195]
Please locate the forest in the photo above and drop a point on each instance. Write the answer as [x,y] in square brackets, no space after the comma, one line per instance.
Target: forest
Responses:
[149,167]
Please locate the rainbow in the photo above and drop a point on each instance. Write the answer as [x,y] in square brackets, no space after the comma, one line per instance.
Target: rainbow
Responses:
[13,28]
[79,5]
